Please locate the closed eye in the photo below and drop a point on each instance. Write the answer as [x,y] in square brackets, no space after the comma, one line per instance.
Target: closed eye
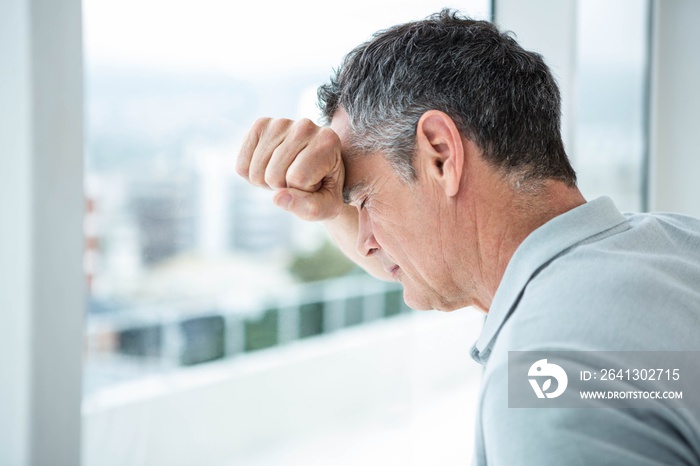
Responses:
[353,192]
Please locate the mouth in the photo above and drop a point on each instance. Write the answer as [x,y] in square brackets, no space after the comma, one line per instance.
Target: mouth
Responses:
[394,272]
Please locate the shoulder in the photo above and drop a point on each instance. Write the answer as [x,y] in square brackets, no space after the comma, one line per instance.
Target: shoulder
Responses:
[634,290]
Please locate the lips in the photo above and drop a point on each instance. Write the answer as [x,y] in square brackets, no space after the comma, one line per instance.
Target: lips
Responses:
[394,272]
[389,267]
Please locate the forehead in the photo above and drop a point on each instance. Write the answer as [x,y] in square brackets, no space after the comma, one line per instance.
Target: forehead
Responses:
[362,171]
[340,123]
[368,175]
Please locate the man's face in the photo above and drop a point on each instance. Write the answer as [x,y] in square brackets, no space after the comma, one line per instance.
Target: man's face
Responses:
[400,224]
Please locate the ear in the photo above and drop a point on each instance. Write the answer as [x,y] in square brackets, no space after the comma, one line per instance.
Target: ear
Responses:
[440,150]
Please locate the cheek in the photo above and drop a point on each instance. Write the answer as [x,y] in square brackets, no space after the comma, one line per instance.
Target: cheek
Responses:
[403,212]
[402,244]
[402,228]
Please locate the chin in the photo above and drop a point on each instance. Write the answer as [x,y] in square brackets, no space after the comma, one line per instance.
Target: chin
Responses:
[417,303]
[425,303]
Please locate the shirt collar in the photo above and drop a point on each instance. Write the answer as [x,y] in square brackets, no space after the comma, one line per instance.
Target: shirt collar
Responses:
[540,247]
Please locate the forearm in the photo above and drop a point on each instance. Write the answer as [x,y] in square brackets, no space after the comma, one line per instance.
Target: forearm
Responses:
[343,229]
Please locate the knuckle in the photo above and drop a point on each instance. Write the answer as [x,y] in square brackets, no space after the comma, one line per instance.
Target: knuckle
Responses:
[278,125]
[274,179]
[279,155]
[260,124]
[256,177]
[276,169]
[304,128]
[328,143]
[296,178]
[328,137]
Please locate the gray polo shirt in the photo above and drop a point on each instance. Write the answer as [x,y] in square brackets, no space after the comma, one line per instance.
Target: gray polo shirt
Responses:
[592,279]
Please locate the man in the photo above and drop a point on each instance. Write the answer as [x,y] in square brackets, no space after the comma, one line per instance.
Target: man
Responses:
[442,168]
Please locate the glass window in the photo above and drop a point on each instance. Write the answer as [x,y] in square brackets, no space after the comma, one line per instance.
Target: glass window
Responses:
[611,79]
[222,330]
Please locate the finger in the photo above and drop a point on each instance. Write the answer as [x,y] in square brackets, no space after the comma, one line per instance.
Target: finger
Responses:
[273,133]
[297,139]
[250,141]
[315,162]
[320,205]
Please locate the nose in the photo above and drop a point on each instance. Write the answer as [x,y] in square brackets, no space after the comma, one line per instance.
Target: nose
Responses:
[366,242]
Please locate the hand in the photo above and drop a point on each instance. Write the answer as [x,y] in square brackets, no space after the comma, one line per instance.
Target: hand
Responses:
[301,161]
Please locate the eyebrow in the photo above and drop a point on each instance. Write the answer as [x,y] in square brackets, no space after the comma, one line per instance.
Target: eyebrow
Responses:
[350,192]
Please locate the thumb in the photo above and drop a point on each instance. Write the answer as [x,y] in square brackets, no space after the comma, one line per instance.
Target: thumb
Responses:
[320,205]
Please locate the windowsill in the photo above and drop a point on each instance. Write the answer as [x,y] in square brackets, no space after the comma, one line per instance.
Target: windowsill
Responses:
[398,379]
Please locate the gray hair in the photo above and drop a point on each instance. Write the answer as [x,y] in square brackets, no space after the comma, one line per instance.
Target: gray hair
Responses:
[499,95]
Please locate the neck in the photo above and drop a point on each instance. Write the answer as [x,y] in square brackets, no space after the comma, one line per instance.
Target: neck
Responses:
[502,216]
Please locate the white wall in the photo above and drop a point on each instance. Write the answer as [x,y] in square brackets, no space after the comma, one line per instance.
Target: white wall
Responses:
[15,243]
[547,27]
[41,207]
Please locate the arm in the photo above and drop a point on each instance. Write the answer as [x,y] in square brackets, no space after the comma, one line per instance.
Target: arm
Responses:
[303,163]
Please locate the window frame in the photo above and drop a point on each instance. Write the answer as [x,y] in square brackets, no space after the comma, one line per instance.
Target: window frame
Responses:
[41,230]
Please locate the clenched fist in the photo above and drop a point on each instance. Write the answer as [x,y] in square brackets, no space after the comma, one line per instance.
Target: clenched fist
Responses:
[301,161]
